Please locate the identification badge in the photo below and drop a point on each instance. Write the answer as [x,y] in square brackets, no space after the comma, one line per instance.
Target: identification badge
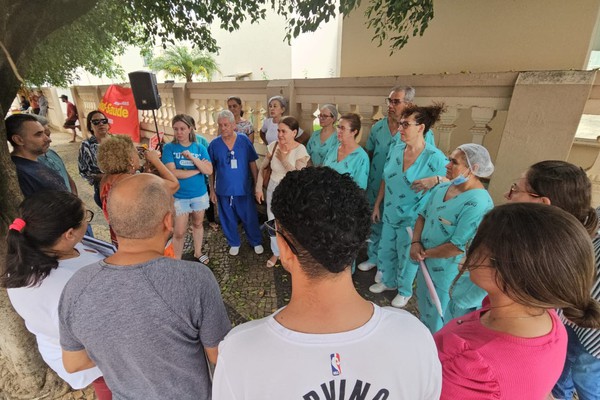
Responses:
[234,164]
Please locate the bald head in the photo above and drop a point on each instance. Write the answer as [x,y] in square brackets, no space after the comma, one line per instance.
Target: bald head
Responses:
[137,206]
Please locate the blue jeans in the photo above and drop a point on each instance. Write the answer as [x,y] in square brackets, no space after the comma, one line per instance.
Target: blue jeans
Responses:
[581,372]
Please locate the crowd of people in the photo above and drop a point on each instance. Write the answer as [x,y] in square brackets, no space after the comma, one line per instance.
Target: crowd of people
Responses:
[500,289]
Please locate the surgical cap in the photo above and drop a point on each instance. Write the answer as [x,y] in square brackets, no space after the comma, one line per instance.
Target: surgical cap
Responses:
[478,159]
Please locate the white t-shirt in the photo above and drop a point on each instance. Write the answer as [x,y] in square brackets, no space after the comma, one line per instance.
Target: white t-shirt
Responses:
[38,306]
[270,129]
[392,356]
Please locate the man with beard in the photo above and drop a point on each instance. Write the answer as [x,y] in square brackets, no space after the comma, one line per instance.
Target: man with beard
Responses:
[29,141]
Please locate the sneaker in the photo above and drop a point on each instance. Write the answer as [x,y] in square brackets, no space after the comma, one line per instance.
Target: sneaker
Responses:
[380,288]
[400,301]
[234,250]
[259,249]
[378,277]
[366,266]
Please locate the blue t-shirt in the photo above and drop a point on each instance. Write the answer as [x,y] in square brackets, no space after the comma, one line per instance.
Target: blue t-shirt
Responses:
[194,186]
[232,167]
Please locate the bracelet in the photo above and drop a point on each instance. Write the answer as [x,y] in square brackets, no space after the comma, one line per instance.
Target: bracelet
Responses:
[438,179]
[416,241]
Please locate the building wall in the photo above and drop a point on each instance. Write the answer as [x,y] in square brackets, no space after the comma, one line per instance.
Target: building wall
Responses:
[252,47]
[316,55]
[481,36]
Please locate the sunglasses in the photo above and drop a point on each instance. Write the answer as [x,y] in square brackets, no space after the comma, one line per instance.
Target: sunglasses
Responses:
[102,121]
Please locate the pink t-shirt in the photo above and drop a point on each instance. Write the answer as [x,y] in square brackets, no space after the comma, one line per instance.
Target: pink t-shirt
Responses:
[480,363]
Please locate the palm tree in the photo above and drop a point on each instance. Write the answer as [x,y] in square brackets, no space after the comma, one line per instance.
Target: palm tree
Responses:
[181,61]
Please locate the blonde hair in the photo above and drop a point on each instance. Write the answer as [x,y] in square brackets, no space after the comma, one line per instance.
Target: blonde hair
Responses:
[114,154]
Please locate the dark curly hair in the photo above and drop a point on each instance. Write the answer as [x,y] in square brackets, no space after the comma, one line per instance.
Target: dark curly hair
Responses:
[325,215]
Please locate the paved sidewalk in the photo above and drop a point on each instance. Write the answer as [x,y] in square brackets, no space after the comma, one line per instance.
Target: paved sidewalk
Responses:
[250,289]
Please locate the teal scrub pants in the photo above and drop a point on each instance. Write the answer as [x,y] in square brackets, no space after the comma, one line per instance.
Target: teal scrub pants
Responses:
[397,269]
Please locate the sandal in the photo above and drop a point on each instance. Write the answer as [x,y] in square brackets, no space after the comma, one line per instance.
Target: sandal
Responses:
[270,263]
[204,259]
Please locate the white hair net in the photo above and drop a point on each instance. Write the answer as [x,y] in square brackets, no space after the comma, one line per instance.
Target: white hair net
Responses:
[478,159]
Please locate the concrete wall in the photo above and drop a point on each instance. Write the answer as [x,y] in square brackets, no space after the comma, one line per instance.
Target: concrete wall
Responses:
[252,47]
[481,36]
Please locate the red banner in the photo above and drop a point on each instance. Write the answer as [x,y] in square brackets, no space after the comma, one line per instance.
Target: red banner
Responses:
[119,107]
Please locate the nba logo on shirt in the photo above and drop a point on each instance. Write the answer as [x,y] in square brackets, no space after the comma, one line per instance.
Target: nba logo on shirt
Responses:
[336,364]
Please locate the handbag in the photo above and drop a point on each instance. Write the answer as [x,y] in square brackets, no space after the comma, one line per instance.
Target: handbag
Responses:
[267,169]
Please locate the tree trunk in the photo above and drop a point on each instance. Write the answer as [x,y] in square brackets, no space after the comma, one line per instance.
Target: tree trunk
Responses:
[23,373]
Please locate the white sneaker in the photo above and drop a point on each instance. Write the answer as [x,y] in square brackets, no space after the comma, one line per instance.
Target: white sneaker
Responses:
[400,301]
[378,277]
[366,266]
[259,249]
[379,288]
[234,250]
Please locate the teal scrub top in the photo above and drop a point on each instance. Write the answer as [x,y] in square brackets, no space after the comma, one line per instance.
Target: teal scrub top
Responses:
[453,221]
[318,150]
[401,205]
[202,140]
[356,164]
[379,142]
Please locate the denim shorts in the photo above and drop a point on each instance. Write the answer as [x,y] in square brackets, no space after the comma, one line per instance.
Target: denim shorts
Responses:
[580,373]
[186,206]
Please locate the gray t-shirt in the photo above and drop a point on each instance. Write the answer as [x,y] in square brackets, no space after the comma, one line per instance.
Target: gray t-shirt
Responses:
[145,326]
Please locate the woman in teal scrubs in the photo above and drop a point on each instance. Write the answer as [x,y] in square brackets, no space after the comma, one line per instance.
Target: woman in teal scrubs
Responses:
[324,139]
[349,157]
[409,160]
[446,224]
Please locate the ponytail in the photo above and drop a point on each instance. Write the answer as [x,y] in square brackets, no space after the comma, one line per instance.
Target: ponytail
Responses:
[26,265]
[45,216]
[585,317]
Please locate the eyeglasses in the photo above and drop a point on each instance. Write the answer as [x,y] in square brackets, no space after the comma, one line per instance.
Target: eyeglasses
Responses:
[395,102]
[89,216]
[102,121]
[323,116]
[514,189]
[271,226]
[406,124]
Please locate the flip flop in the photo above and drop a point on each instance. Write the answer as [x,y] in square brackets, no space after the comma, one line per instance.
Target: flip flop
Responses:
[204,259]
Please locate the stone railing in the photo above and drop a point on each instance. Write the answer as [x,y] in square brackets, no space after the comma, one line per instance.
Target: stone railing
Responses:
[520,117]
